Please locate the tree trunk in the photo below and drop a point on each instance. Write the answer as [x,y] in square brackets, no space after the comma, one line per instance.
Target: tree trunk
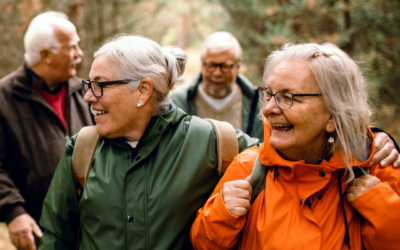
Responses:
[349,46]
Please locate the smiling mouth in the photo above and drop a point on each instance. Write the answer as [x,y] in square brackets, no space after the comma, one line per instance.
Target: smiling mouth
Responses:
[282,127]
[99,112]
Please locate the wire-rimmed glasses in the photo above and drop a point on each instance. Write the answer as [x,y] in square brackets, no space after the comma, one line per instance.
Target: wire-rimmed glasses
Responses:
[283,99]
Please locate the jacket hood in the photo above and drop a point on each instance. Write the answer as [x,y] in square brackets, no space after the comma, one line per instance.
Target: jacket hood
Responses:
[270,157]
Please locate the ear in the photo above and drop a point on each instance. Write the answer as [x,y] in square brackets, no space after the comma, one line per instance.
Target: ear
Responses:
[145,90]
[45,56]
[330,125]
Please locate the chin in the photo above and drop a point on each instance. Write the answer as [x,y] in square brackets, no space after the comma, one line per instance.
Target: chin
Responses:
[102,131]
[278,143]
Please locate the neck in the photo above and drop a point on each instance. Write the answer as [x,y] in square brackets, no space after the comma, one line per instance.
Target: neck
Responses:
[311,154]
[43,72]
[140,127]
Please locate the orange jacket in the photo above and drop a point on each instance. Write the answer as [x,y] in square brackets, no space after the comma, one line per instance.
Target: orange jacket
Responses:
[280,218]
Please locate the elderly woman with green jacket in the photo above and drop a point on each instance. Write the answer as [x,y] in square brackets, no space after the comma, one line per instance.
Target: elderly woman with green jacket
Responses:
[154,166]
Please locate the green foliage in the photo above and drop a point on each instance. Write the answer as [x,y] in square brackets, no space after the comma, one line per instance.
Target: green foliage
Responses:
[368,30]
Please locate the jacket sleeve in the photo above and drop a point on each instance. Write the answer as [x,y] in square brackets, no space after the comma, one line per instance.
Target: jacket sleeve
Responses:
[215,227]
[60,214]
[11,201]
[380,208]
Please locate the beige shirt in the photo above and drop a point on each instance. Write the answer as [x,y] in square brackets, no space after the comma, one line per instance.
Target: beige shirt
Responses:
[232,112]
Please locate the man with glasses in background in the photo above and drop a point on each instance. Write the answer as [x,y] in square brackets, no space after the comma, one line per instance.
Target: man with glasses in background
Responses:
[220,92]
[41,106]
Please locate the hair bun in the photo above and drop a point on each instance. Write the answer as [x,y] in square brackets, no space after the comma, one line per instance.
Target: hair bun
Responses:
[175,59]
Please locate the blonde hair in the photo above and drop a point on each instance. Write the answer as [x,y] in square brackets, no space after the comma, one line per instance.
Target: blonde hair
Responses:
[220,42]
[343,90]
[139,57]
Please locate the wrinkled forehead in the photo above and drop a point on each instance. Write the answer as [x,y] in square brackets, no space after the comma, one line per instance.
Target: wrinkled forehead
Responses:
[226,56]
[292,76]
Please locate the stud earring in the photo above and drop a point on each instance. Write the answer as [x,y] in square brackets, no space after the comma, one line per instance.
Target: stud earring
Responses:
[331,140]
[140,105]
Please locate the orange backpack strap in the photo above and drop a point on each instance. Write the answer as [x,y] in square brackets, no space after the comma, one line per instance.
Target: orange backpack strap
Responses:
[227,144]
[82,157]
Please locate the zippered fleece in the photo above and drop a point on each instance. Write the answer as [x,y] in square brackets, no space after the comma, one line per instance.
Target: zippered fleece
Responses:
[143,198]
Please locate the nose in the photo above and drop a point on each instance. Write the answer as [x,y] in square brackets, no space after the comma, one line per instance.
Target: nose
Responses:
[89,97]
[271,108]
[78,51]
[217,71]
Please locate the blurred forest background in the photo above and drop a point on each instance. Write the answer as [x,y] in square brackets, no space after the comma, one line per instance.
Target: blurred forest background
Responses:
[368,30]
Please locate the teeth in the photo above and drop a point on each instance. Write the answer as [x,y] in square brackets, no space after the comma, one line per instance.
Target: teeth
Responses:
[281,125]
[99,112]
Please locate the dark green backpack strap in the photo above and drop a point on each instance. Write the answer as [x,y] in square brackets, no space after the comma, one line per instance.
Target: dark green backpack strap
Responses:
[258,178]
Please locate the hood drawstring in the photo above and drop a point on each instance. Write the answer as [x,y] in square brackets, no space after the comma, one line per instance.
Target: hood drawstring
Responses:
[346,225]
[276,173]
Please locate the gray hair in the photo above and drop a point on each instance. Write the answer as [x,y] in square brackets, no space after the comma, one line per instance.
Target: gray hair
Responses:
[220,42]
[343,90]
[40,35]
[138,57]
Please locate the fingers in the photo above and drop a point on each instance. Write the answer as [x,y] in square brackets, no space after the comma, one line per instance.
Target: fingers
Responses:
[242,184]
[30,242]
[37,231]
[350,197]
[237,196]
[396,164]
[381,154]
[361,185]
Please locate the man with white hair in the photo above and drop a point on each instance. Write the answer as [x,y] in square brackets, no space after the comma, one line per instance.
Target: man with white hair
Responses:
[41,106]
[220,92]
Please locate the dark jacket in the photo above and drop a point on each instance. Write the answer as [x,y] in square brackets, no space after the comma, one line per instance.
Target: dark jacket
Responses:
[32,140]
[137,198]
[184,97]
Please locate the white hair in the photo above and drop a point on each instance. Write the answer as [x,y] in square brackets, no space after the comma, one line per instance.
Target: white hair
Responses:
[138,57]
[220,42]
[343,90]
[40,35]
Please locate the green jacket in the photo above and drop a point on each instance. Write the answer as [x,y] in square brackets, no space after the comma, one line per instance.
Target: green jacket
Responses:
[143,198]
[184,97]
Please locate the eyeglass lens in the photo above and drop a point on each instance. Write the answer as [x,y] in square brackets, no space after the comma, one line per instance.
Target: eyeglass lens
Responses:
[283,99]
[210,67]
[96,88]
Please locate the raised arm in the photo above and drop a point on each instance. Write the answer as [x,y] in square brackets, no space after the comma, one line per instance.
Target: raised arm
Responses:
[376,198]
[216,225]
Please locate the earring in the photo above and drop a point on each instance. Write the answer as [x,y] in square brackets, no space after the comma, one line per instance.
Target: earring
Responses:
[140,105]
[331,140]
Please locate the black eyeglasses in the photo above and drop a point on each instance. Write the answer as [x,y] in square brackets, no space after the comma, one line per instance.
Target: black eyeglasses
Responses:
[283,99]
[224,67]
[97,87]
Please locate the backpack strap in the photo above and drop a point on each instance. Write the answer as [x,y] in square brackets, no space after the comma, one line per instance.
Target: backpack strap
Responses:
[82,156]
[258,178]
[227,144]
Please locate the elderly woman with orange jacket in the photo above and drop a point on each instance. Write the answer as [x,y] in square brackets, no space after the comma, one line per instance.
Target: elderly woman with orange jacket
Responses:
[316,136]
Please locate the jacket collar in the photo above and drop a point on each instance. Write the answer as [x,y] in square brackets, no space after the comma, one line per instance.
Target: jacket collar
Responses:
[157,126]
[22,86]
[270,157]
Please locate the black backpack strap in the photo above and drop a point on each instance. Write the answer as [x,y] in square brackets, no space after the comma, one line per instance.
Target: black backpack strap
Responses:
[258,178]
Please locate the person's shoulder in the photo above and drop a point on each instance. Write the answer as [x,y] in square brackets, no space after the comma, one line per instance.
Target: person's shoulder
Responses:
[6,82]
[248,156]
[181,92]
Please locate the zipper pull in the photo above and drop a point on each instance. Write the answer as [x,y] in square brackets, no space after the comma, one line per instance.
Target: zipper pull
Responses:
[276,173]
